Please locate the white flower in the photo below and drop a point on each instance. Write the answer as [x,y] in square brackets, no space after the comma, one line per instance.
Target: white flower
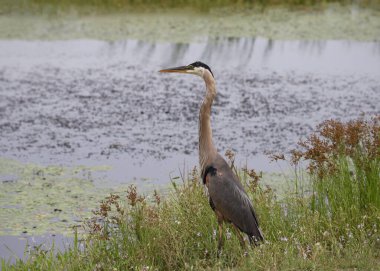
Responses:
[228,234]
[214,234]
[284,239]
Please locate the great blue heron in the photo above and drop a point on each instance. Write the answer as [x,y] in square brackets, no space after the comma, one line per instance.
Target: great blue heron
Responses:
[227,196]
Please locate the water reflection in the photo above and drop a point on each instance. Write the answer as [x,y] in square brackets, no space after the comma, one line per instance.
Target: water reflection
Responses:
[268,48]
[177,51]
[221,53]
[313,47]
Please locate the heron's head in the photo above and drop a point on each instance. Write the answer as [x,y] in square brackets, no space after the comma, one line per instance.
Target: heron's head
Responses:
[197,68]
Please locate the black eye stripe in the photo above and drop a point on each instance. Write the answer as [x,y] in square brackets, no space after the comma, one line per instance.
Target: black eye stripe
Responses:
[203,65]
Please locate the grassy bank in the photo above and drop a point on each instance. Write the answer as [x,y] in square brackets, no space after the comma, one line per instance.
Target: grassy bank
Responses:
[329,219]
[104,6]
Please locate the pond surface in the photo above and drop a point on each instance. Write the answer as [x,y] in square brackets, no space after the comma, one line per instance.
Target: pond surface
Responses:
[104,103]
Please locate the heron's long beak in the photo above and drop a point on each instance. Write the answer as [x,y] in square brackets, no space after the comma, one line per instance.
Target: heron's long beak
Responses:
[181,69]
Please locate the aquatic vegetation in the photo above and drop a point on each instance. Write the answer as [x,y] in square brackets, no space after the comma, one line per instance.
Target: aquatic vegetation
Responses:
[38,199]
[25,20]
[200,5]
[178,232]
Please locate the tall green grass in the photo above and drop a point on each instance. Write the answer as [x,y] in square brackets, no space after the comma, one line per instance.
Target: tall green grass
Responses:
[344,162]
[333,224]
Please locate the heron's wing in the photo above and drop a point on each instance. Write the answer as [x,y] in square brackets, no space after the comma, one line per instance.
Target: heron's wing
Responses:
[229,197]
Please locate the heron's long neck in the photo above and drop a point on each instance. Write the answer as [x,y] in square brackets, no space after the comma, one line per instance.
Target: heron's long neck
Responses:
[207,150]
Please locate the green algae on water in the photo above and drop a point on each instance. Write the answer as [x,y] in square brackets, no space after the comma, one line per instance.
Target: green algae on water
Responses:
[36,199]
[335,22]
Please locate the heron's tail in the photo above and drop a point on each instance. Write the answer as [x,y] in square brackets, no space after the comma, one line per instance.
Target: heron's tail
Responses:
[256,239]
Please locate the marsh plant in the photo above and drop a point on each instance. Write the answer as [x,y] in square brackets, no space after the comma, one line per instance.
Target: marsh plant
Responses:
[344,163]
[331,225]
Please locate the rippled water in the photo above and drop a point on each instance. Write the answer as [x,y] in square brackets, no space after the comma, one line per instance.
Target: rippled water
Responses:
[96,102]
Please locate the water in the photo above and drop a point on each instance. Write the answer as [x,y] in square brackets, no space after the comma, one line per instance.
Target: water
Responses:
[96,102]
[21,247]
[335,57]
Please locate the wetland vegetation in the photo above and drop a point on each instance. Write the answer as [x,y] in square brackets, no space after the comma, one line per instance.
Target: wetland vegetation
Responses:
[186,21]
[329,219]
[102,6]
